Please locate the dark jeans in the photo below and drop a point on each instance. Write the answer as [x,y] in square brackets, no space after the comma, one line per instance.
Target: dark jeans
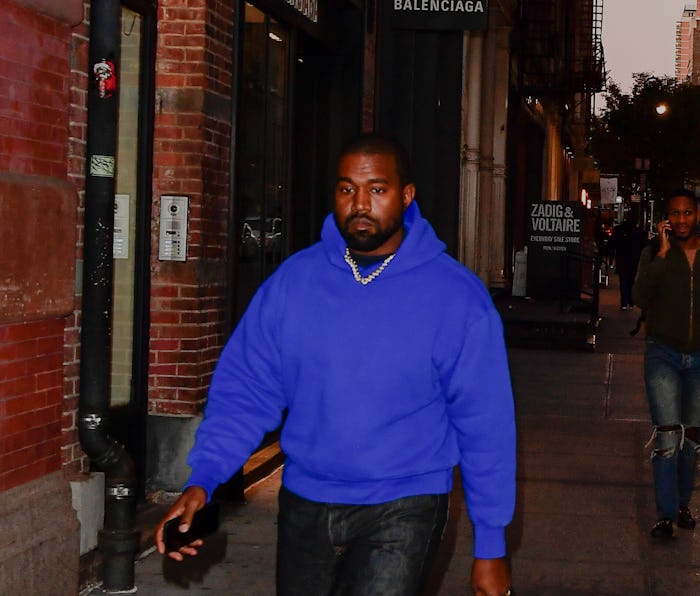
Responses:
[325,549]
[672,380]
[626,283]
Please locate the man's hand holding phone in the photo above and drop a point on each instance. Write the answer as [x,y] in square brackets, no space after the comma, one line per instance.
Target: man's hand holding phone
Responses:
[183,518]
[664,230]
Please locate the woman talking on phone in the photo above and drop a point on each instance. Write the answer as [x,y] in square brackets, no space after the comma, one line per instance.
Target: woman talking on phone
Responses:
[667,287]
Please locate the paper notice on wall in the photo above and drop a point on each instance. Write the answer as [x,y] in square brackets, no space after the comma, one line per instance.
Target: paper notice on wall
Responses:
[608,190]
[120,244]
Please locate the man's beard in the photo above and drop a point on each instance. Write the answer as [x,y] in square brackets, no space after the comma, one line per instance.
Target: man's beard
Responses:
[364,240]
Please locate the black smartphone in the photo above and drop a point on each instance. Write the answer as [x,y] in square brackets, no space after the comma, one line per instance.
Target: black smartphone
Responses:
[204,522]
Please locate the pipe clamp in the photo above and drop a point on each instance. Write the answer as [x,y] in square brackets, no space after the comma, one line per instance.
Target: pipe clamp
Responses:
[120,491]
[91,421]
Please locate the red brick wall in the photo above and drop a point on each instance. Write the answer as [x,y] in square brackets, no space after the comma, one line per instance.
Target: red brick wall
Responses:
[35,80]
[34,69]
[31,392]
[72,455]
[191,153]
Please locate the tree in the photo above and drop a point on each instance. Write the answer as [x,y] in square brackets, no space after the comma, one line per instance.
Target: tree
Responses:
[630,127]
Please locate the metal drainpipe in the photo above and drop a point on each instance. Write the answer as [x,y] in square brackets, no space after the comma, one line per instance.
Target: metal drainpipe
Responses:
[118,540]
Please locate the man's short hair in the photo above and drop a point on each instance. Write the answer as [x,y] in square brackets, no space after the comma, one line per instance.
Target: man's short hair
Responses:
[376,144]
[682,192]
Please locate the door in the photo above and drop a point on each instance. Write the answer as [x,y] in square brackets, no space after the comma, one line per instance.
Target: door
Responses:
[263,155]
[131,249]
[300,100]
[419,102]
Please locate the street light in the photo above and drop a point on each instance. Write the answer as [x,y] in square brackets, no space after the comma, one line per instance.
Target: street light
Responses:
[643,167]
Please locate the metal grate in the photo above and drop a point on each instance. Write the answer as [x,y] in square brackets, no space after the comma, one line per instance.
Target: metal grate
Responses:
[561,46]
[588,61]
[540,46]
[598,53]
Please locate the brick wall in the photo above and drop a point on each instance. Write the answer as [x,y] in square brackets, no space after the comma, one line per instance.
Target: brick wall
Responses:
[35,78]
[71,453]
[191,153]
[34,66]
[31,362]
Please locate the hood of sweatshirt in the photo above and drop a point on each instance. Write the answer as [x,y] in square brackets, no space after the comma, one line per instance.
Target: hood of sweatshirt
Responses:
[420,243]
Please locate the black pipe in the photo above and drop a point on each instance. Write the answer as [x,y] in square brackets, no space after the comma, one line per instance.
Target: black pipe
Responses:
[118,540]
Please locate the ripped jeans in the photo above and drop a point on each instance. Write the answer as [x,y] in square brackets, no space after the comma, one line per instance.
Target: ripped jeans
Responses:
[672,380]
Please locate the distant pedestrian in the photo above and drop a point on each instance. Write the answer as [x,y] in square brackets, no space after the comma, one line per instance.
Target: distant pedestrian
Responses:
[389,357]
[667,289]
[603,240]
[627,242]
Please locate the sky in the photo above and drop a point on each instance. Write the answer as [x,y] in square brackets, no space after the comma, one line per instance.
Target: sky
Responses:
[640,36]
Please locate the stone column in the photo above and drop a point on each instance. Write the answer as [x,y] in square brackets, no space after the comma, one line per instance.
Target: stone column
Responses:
[469,177]
[497,260]
[487,224]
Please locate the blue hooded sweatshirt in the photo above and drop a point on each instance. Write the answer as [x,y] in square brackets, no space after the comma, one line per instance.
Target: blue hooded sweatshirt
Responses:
[388,385]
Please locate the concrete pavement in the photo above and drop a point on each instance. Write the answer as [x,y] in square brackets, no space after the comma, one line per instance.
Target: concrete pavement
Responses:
[585,499]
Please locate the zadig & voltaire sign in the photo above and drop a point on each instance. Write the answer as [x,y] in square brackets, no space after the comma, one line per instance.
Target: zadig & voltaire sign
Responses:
[439,14]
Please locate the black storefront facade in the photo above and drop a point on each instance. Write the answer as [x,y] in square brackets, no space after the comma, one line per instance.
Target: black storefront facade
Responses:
[304,88]
[419,97]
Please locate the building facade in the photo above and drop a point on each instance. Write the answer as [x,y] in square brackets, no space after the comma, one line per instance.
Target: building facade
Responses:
[159,160]
[685,61]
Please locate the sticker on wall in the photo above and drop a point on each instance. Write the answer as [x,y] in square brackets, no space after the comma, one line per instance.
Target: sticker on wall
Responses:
[105,78]
[102,165]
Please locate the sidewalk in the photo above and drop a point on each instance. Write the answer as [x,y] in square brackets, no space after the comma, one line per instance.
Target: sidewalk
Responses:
[585,500]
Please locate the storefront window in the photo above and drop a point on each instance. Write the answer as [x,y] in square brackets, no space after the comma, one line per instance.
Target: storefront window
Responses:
[263,153]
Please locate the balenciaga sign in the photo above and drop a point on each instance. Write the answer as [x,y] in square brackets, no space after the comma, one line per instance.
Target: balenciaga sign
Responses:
[439,14]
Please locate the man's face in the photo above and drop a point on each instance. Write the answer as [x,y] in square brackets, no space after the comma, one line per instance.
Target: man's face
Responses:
[683,215]
[369,203]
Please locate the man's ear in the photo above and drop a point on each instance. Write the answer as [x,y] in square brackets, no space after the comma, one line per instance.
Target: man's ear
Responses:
[408,194]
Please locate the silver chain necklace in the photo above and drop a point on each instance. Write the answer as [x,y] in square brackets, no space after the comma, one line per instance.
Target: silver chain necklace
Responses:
[356,271]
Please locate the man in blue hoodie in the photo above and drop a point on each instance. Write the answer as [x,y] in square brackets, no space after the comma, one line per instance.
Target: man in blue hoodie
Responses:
[388,356]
